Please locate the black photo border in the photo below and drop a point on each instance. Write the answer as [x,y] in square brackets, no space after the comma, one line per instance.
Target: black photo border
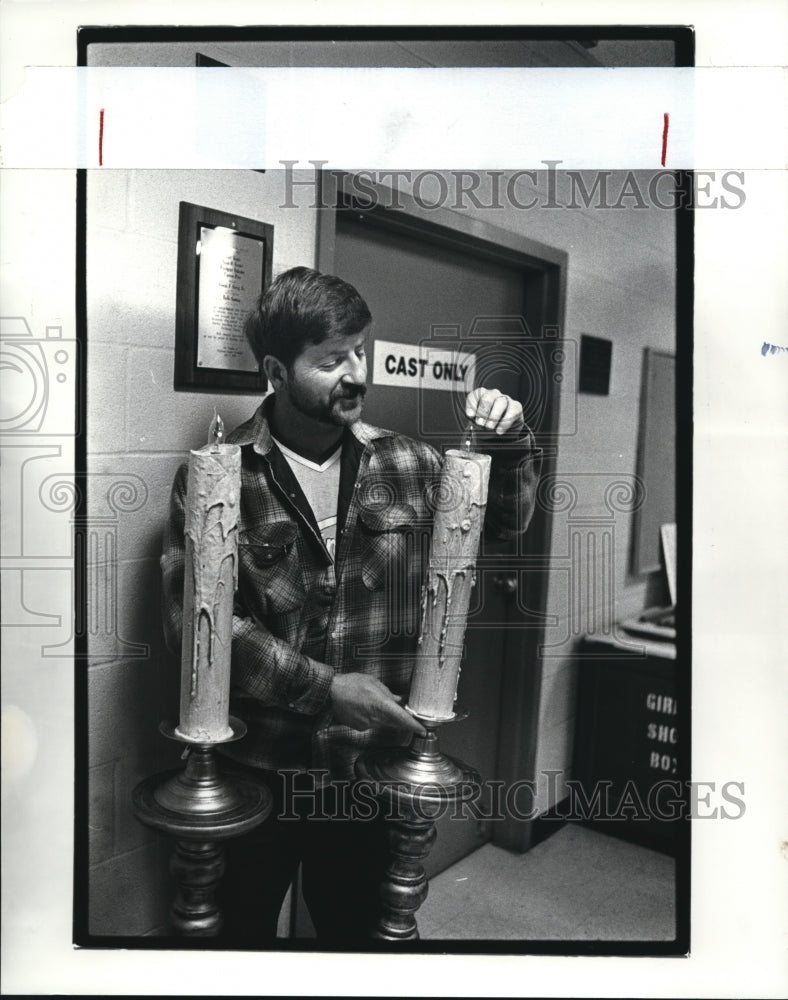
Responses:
[684,47]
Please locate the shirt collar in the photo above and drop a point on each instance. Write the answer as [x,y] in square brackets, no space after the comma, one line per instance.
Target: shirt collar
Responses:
[256,431]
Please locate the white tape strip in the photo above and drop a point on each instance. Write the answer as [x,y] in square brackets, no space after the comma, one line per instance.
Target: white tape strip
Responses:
[389,118]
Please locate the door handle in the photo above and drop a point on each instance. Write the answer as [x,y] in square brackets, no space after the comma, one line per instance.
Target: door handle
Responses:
[506,583]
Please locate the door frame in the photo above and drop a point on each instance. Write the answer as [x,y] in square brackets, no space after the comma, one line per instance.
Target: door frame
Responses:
[544,273]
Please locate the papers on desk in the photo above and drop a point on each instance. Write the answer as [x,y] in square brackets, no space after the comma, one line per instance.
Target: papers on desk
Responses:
[656,623]
[660,623]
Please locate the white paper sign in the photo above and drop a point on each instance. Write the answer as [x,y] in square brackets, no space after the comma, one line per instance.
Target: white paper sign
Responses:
[421,366]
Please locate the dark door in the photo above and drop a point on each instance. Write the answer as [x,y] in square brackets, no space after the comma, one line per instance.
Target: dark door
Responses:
[424,292]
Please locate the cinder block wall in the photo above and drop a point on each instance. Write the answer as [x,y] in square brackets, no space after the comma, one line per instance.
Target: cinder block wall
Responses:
[139,430]
[620,286]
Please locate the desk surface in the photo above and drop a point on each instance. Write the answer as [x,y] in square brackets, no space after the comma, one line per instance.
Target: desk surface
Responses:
[636,646]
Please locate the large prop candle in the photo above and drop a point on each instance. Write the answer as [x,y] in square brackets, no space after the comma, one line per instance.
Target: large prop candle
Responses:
[459,515]
[211,578]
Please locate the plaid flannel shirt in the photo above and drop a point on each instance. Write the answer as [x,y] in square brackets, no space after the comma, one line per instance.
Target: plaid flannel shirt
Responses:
[299,616]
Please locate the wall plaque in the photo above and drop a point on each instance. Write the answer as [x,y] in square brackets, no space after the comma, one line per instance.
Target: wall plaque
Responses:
[224,263]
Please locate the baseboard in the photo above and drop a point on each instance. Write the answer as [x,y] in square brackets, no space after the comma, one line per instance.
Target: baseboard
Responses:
[548,823]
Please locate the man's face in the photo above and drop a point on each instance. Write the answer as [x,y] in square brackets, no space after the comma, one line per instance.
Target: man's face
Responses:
[327,381]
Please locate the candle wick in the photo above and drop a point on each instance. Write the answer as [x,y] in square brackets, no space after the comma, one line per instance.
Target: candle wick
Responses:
[468,438]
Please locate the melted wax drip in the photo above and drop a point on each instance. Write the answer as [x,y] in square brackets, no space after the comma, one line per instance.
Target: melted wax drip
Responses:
[432,588]
[444,568]
[206,602]
[448,576]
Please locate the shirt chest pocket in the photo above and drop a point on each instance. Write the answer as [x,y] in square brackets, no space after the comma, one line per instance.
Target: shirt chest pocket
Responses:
[269,567]
[386,544]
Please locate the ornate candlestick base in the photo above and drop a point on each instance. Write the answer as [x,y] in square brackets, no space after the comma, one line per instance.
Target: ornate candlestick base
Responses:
[416,784]
[200,806]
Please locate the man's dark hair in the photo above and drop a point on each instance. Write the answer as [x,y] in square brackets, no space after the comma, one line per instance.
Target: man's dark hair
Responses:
[302,306]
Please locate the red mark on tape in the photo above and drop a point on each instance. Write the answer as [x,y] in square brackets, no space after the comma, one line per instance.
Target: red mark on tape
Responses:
[101,138]
[665,127]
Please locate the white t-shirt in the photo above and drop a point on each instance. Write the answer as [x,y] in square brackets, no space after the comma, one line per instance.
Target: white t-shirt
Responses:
[320,484]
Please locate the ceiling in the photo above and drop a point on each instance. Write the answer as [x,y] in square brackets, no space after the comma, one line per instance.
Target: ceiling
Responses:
[405,52]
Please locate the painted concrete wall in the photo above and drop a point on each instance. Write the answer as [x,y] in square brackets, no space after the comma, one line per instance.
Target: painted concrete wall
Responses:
[621,286]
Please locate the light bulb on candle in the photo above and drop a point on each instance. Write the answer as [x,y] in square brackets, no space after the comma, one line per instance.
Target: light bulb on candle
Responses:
[216,431]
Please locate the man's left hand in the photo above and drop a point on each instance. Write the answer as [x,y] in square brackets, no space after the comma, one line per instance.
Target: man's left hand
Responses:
[492,411]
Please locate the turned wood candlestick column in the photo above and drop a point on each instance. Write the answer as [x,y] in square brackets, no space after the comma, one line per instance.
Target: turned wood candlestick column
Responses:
[200,807]
[405,885]
[414,787]
[198,867]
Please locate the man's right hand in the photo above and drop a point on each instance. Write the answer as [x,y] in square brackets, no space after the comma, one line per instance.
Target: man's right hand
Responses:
[363,702]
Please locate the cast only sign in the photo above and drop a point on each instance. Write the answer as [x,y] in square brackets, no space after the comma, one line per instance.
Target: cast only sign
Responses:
[423,366]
